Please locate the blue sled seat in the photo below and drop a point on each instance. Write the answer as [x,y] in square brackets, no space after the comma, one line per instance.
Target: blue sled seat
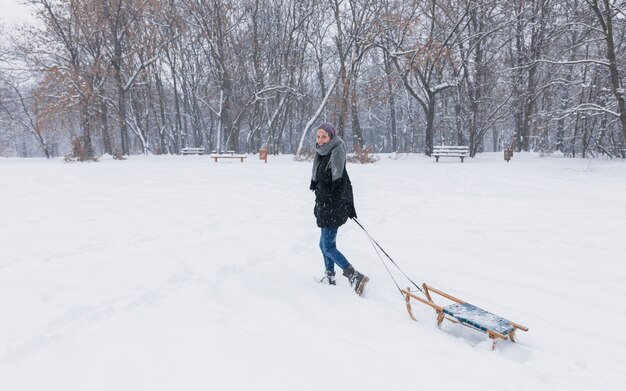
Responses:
[478,318]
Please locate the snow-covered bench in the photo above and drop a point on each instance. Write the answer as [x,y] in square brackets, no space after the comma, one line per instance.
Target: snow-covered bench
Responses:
[227,155]
[192,151]
[461,151]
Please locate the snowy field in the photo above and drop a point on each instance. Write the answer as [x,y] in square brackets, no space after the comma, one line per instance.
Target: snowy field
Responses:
[179,273]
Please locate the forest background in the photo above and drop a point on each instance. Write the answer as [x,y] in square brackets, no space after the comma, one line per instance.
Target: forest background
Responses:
[83,78]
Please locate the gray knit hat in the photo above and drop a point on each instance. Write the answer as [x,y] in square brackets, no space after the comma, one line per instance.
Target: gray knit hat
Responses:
[328,128]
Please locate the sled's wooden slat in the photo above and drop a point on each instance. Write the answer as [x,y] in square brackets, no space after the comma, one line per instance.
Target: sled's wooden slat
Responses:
[519,326]
[435,306]
[408,305]
[444,294]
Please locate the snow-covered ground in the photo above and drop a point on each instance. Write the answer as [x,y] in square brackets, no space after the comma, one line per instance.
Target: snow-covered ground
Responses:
[179,273]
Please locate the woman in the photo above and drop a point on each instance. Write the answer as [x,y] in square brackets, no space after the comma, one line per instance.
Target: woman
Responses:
[334,203]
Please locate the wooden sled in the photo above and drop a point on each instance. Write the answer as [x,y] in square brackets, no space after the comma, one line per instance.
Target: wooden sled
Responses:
[466,314]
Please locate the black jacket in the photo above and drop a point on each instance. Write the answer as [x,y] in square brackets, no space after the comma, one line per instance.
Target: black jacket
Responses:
[334,201]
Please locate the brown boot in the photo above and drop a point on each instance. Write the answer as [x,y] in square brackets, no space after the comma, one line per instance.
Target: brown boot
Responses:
[356,279]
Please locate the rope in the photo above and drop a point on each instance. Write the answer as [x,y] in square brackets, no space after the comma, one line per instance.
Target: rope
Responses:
[385,265]
[375,244]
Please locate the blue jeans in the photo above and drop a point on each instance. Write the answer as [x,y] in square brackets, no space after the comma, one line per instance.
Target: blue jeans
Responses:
[328,245]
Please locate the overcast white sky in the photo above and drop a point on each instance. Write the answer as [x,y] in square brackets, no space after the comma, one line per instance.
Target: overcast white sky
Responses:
[13,12]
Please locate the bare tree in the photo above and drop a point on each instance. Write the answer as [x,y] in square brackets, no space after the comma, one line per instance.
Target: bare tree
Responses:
[605,11]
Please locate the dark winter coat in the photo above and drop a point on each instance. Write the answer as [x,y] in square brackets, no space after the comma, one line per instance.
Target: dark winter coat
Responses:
[334,201]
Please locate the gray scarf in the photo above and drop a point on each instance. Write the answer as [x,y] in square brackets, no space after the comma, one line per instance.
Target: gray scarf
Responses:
[337,149]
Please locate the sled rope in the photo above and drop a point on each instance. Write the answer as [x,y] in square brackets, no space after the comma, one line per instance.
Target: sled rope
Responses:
[385,265]
[375,244]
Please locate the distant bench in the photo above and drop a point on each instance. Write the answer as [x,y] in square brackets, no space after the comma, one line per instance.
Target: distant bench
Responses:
[461,151]
[192,151]
[227,155]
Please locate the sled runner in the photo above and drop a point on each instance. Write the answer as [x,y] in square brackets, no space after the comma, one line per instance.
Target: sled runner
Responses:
[466,314]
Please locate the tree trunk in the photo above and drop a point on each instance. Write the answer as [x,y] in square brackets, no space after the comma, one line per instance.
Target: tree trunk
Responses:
[616,83]
[357,133]
[392,103]
[430,122]
[104,123]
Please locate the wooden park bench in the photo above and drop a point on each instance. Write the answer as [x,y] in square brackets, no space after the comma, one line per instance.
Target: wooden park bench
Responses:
[192,151]
[461,151]
[466,314]
[227,155]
